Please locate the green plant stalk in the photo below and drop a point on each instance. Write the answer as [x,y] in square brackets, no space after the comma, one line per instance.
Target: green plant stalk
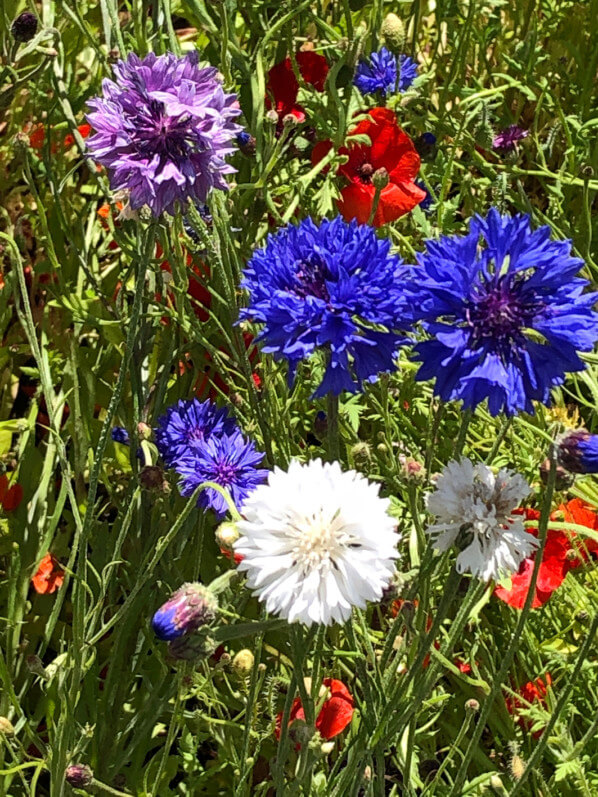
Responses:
[513,645]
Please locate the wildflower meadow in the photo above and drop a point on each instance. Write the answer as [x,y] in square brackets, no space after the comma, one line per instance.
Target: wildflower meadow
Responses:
[299,398]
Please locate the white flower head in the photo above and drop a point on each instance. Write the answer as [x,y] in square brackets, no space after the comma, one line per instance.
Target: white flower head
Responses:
[317,541]
[473,507]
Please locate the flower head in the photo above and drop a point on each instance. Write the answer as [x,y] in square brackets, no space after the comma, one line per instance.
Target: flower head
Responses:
[229,460]
[49,576]
[317,541]
[282,87]
[385,73]
[185,427]
[329,287]
[507,139]
[336,712]
[390,149]
[163,130]
[505,312]
[190,607]
[24,27]
[474,510]
[577,451]
[120,435]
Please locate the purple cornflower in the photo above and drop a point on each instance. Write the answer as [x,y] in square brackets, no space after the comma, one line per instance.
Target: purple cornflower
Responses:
[335,288]
[505,313]
[577,451]
[186,426]
[230,461]
[191,606]
[120,435]
[378,73]
[163,130]
[507,139]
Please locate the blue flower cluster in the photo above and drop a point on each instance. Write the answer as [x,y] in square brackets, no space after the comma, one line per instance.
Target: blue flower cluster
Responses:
[334,287]
[385,73]
[202,443]
[503,309]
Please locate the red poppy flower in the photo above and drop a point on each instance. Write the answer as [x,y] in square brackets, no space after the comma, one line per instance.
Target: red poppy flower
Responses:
[390,149]
[561,554]
[10,497]
[282,86]
[531,692]
[69,139]
[49,576]
[336,712]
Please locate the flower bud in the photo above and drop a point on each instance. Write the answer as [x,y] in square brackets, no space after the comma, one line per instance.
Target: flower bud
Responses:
[6,727]
[472,705]
[290,120]
[326,748]
[272,117]
[79,776]
[227,534]
[563,479]
[24,27]
[361,453]
[393,32]
[243,662]
[411,469]
[577,451]
[190,607]
[517,766]
[144,430]
[380,178]
[246,143]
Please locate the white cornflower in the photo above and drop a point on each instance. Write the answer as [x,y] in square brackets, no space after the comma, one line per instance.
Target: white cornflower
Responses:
[473,507]
[316,541]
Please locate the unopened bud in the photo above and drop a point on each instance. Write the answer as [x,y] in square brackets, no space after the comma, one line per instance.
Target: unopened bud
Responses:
[577,451]
[152,478]
[290,120]
[497,784]
[79,776]
[243,662]
[192,647]
[326,748]
[380,178]
[144,430]
[227,534]
[246,143]
[190,607]
[393,32]
[35,666]
[24,27]
[6,726]
[517,766]
[361,453]
[472,705]
[411,469]
[272,117]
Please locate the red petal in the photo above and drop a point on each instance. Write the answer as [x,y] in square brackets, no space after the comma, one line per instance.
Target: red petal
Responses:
[337,711]
[3,486]
[12,498]
[313,68]
[356,202]
[396,200]
[282,87]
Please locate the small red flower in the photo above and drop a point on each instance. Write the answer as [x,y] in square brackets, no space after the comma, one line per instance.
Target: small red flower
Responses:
[69,139]
[282,86]
[49,576]
[531,692]
[390,149]
[10,497]
[336,712]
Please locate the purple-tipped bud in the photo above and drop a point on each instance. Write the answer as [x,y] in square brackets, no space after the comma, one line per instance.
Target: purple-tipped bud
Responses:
[190,607]
[508,138]
[577,451]
[24,27]
[120,435]
[79,776]
[189,648]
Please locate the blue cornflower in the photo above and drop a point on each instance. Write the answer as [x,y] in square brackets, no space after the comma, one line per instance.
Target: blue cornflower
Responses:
[427,200]
[230,461]
[505,312]
[120,435]
[186,425]
[577,451]
[336,288]
[378,73]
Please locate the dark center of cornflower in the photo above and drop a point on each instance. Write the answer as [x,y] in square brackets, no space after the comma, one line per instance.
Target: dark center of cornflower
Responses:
[499,313]
[195,434]
[310,279]
[224,473]
[365,173]
[156,133]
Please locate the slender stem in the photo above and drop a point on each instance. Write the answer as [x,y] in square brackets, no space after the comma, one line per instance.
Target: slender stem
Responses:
[333,428]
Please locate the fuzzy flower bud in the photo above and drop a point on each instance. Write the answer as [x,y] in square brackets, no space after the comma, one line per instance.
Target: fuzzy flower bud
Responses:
[227,534]
[243,662]
[272,117]
[411,469]
[380,178]
[577,451]
[393,32]
[24,27]
[79,776]
[246,143]
[189,648]
[190,607]
[472,705]
[290,120]
[6,727]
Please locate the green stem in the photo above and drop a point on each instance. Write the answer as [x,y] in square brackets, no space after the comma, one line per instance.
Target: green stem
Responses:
[334,448]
